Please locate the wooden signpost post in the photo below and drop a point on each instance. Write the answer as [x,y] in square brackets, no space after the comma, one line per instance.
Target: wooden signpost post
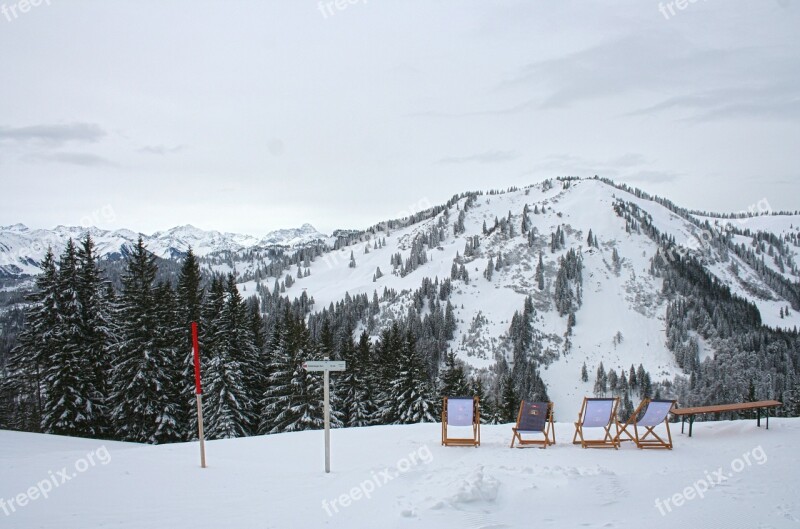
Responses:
[326,366]
[198,390]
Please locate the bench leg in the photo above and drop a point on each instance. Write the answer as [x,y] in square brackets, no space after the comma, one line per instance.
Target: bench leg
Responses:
[683,420]
[758,418]
[767,413]
[691,422]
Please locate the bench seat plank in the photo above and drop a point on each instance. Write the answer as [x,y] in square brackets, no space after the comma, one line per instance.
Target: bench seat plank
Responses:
[719,408]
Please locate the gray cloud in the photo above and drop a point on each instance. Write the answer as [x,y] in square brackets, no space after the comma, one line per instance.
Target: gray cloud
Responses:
[765,103]
[54,134]
[72,158]
[605,69]
[664,61]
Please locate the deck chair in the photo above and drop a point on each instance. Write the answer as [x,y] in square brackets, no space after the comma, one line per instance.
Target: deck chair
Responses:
[655,413]
[597,413]
[534,418]
[460,412]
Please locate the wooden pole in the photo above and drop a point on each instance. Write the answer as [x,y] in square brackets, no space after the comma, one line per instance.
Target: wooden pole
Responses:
[198,390]
[327,405]
[200,430]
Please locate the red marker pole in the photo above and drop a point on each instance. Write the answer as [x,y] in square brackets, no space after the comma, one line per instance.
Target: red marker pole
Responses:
[198,390]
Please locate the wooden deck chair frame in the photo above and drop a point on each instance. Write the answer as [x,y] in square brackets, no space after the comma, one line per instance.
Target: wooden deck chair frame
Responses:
[549,430]
[650,439]
[475,440]
[608,440]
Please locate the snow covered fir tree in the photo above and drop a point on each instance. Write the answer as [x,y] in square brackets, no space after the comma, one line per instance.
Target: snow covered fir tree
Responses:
[559,290]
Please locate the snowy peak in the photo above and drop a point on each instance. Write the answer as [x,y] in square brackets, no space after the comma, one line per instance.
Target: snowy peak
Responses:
[15,228]
[21,248]
[293,237]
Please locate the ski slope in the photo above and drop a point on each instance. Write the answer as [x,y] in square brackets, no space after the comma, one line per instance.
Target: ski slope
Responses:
[401,477]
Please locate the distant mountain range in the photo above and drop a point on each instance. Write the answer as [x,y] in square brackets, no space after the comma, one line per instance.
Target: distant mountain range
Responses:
[22,248]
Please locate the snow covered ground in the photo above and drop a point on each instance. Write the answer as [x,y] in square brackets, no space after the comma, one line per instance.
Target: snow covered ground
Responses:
[400,476]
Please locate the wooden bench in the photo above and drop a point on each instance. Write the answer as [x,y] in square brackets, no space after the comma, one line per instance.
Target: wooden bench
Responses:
[683,413]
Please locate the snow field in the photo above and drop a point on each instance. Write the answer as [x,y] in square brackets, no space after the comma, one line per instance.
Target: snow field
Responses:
[401,477]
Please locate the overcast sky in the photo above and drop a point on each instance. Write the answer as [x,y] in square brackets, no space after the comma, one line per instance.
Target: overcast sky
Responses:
[251,116]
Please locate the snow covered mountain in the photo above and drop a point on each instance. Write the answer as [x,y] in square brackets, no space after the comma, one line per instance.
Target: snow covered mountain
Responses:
[292,237]
[22,248]
[620,314]
[587,256]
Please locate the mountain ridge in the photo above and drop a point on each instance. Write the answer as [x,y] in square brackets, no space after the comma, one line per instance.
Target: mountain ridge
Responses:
[22,248]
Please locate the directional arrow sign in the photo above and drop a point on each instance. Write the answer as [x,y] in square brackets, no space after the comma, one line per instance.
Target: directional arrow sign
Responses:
[324,365]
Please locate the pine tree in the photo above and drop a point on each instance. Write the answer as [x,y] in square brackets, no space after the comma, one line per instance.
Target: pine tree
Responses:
[36,346]
[477,389]
[750,397]
[792,404]
[600,383]
[98,331]
[626,410]
[489,270]
[387,356]
[452,380]
[563,294]
[189,297]
[570,322]
[275,374]
[539,276]
[257,333]
[232,371]
[509,405]
[72,402]
[584,373]
[412,400]
[175,425]
[358,407]
[142,375]
[646,390]
[612,381]
[294,397]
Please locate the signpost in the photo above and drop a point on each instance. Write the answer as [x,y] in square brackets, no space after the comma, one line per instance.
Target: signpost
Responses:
[198,390]
[326,366]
